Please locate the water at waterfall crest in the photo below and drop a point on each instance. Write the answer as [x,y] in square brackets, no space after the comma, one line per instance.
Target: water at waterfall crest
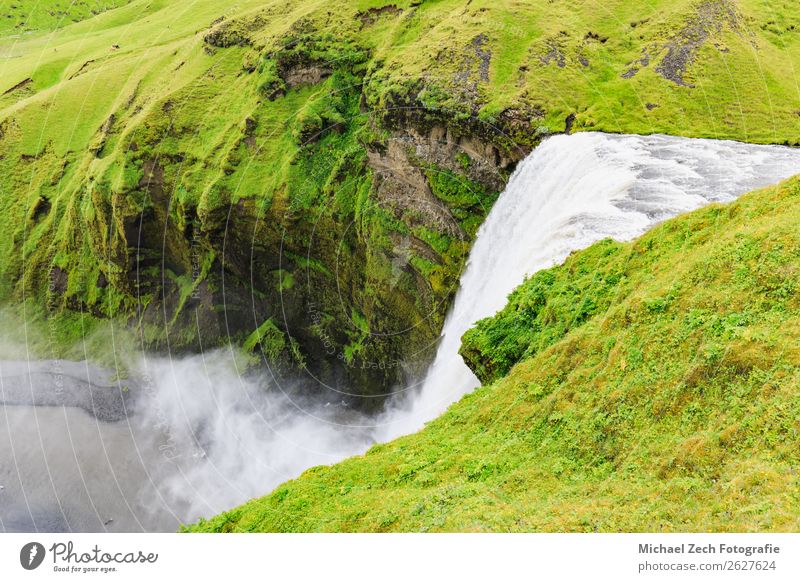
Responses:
[202,438]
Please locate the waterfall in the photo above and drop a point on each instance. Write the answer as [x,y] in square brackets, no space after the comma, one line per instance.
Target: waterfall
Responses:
[570,192]
[203,438]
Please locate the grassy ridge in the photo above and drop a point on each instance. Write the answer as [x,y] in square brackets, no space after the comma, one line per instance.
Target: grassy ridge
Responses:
[671,406]
[18,17]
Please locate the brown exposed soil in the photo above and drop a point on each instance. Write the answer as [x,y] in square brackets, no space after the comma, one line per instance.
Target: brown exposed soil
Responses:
[371,16]
[306,75]
[402,186]
[83,69]
[21,85]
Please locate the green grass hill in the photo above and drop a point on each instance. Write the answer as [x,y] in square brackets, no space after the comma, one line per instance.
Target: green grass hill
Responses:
[306,177]
[644,386]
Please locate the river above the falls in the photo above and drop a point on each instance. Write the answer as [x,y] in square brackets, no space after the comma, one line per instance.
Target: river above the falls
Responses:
[82,450]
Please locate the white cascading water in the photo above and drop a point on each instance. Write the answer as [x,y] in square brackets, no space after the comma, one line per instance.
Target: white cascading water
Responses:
[570,192]
[203,438]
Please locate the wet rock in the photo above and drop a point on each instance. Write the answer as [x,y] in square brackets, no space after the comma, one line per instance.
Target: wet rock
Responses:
[66,383]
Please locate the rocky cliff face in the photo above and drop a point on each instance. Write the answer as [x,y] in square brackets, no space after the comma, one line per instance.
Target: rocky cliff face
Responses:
[352,285]
[342,266]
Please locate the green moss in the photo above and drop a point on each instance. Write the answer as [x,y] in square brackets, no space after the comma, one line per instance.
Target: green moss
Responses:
[547,307]
[268,339]
[468,200]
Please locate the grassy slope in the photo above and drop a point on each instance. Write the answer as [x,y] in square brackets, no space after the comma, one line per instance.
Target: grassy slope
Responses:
[673,406]
[18,17]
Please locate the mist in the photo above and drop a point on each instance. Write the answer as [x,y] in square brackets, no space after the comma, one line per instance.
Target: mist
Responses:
[225,436]
[201,434]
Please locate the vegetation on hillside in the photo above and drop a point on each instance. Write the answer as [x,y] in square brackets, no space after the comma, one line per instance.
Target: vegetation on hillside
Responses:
[198,171]
[20,17]
[644,386]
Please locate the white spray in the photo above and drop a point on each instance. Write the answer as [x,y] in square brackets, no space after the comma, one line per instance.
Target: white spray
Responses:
[204,439]
[570,192]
